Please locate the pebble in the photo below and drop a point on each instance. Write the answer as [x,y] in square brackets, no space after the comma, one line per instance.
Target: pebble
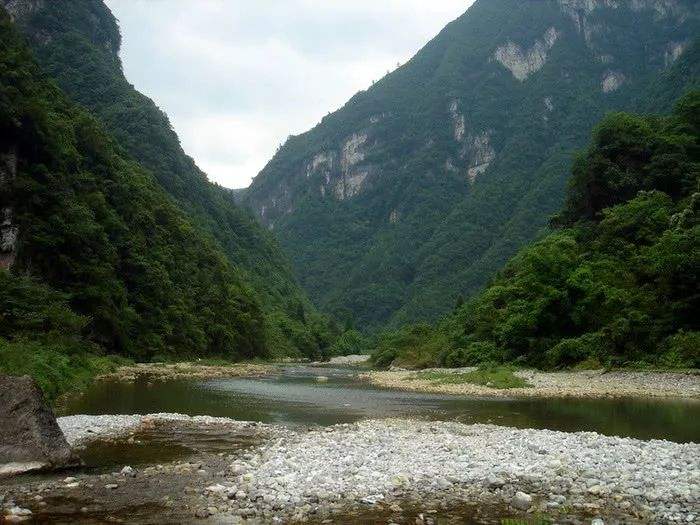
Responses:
[522,500]
[378,462]
[304,474]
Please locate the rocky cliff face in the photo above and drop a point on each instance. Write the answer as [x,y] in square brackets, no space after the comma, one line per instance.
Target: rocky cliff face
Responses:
[420,187]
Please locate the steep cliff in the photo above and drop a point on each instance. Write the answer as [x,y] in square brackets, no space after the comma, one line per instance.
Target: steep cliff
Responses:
[419,188]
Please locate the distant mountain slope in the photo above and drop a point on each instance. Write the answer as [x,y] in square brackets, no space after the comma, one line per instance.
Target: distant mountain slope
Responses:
[77,43]
[421,187]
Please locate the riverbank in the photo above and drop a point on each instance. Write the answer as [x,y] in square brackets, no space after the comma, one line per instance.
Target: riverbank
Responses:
[186,370]
[575,384]
[381,470]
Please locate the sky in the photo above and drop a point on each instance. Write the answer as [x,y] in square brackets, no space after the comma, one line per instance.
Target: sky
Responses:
[237,77]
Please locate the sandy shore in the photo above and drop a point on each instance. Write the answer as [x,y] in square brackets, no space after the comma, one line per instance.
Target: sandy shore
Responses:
[581,384]
[168,371]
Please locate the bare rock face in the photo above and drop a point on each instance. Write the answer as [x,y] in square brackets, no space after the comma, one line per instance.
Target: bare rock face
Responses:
[30,438]
[9,231]
[524,62]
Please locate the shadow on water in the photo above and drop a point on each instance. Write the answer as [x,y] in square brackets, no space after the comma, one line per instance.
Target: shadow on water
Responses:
[295,396]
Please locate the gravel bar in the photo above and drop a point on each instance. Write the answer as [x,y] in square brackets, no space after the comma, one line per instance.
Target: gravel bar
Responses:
[579,384]
[528,470]
[316,474]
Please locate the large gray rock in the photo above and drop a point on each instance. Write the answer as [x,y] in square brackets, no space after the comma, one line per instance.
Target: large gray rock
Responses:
[30,438]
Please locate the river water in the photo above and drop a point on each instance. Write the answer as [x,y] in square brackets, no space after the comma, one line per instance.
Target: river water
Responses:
[296,396]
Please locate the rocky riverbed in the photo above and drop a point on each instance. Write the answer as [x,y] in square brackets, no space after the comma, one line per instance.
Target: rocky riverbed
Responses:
[186,370]
[400,471]
[579,384]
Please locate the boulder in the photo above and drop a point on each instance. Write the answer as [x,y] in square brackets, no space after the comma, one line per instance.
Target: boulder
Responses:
[522,501]
[30,438]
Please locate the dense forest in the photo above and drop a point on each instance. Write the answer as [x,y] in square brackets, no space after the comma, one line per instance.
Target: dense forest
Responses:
[614,283]
[77,44]
[421,187]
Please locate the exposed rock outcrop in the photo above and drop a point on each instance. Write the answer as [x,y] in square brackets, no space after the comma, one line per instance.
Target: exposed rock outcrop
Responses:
[458,121]
[19,9]
[612,80]
[340,172]
[480,154]
[30,438]
[673,51]
[524,62]
[9,231]
[583,8]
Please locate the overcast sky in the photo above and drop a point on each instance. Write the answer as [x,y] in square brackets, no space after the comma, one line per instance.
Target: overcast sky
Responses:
[236,77]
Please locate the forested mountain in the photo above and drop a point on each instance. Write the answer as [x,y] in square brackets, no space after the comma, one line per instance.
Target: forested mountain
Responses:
[76,42]
[95,256]
[421,187]
[615,283]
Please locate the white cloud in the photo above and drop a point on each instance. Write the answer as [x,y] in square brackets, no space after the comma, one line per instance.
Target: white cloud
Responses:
[237,77]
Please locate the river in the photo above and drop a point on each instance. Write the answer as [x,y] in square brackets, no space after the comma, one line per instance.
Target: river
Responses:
[302,395]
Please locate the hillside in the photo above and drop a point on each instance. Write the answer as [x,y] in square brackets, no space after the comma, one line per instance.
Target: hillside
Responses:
[615,283]
[421,187]
[77,43]
[95,256]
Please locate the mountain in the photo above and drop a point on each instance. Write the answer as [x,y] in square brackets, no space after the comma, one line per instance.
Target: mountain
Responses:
[616,281]
[421,187]
[77,43]
[94,256]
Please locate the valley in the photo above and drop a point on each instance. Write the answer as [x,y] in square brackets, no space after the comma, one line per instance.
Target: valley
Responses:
[469,295]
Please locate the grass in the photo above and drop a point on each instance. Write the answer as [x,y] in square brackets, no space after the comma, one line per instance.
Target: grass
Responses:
[499,377]
[58,367]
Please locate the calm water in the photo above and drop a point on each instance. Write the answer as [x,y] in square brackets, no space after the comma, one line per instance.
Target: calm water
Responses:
[295,396]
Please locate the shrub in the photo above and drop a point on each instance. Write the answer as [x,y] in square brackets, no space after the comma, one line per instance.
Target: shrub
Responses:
[570,352]
[681,350]
[474,354]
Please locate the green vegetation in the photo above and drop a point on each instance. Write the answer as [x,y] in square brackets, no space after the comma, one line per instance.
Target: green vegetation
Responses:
[615,282]
[350,342]
[418,233]
[77,44]
[94,226]
[57,368]
[500,377]
[41,336]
